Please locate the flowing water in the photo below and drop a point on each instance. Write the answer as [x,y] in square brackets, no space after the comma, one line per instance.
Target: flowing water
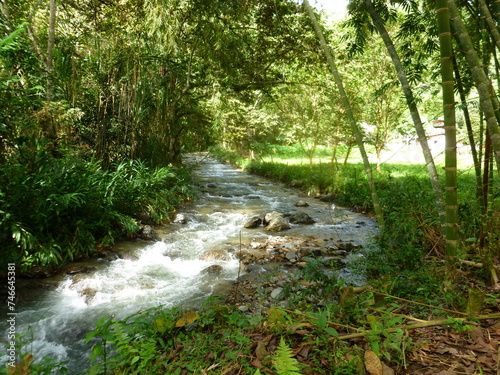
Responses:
[57,313]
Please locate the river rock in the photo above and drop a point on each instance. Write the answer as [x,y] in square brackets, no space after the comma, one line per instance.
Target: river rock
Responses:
[292,256]
[256,245]
[276,292]
[76,269]
[215,254]
[180,219]
[308,250]
[296,183]
[88,294]
[327,198]
[109,255]
[148,233]
[254,222]
[333,261]
[272,215]
[330,245]
[277,224]
[145,218]
[301,203]
[251,197]
[243,308]
[214,269]
[251,256]
[301,218]
[348,246]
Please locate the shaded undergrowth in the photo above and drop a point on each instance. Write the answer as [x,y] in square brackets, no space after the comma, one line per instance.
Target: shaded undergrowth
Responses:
[58,208]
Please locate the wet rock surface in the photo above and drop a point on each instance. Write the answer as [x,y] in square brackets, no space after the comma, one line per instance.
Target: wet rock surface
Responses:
[276,267]
[254,222]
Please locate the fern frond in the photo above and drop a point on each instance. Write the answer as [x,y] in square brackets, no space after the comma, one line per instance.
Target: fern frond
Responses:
[284,362]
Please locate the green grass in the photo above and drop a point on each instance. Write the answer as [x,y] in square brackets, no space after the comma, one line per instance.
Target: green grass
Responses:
[411,217]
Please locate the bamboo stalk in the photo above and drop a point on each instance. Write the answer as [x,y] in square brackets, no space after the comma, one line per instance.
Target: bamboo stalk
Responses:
[396,314]
[429,323]
[312,317]
[421,304]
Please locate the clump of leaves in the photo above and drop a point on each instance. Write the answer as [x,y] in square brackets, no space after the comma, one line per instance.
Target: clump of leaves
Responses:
[56,209]
[283,360]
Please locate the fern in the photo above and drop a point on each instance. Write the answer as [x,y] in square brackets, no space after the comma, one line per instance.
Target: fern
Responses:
[284,362]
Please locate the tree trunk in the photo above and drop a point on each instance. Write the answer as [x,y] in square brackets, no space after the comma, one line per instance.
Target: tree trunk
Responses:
[333,160]
[6,15]
[451,227]
[492,28]
[485,189]
[410,100]
[470,133]
[378,151]
[496,7]
[357,132]
[485,89]
[50,47]
[348,153]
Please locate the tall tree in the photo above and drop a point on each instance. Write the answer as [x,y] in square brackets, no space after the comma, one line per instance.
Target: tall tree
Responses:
[306,110]
[445,42]
[411,102]
[489,102]
[50,47]
[354,125]
[490,23]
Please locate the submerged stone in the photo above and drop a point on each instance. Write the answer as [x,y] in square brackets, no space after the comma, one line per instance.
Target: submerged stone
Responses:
[180,219]
[215,254]
[301,218]
[301,203]
[214,269]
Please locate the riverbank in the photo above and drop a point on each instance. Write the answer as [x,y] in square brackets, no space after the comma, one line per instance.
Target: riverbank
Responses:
[328,324]
[298,315]
[58,210]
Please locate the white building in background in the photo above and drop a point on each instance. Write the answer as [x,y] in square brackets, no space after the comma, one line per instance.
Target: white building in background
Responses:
[408,149]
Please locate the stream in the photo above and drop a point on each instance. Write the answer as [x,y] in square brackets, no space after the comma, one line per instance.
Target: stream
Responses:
[57,313]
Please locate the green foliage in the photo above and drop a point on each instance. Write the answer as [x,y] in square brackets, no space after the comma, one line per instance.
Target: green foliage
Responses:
[56,209]
[387,340]
[283,360]
[220,339]
[135,345]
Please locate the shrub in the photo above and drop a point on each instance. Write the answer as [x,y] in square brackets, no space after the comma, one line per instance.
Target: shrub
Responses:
[56,209]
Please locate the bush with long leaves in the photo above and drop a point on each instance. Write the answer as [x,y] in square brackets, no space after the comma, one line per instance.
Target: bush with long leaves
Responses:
[55,209]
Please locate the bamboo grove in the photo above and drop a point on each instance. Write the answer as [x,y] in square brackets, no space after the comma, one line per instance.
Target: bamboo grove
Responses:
[146,80]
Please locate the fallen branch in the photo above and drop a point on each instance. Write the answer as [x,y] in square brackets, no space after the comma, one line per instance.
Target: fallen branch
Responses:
[312,317]
[421,304]
[396,314]
[471,263]
[430,323]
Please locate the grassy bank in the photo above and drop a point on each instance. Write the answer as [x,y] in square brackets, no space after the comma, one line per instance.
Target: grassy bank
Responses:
[412,245]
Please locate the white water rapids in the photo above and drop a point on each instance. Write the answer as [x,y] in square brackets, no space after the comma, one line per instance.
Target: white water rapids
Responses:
[169,272]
